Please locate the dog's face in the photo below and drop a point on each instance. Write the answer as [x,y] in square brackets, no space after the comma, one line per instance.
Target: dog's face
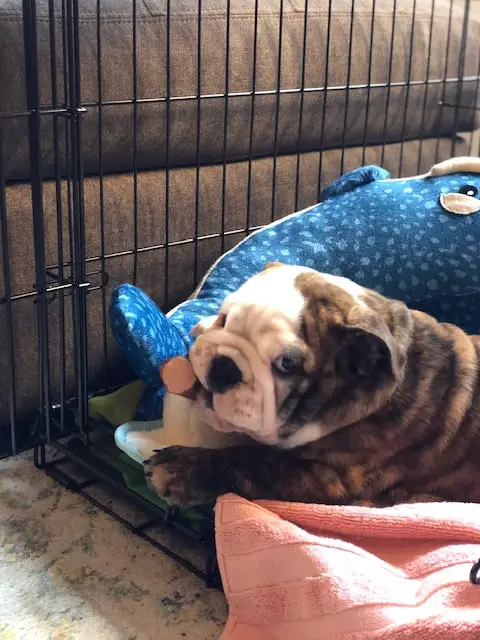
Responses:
[294,355]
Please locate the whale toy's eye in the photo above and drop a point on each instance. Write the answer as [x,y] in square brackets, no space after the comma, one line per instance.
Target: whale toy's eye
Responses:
[468,190]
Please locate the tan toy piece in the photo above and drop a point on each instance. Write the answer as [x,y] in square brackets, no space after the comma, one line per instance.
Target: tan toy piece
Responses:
[178,377]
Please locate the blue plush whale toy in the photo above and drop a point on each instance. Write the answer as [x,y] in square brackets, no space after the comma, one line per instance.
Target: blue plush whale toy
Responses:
[414,239]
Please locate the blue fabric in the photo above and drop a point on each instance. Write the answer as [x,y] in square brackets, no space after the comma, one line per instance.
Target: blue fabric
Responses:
[389,235]
[354,179]
[150,406]
[145,335]
[148,339]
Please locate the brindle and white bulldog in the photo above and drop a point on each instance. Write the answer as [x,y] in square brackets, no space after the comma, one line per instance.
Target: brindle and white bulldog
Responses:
[347,397]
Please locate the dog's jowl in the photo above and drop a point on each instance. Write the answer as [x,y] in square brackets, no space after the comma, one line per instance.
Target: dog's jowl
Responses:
[345,397]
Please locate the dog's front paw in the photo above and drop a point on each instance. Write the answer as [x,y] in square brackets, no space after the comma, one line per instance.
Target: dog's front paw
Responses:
[179,475]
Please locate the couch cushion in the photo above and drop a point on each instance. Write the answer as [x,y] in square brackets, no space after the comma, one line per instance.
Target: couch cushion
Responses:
[322,121]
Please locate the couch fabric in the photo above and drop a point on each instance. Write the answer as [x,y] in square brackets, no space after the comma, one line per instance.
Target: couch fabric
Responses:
[414,57]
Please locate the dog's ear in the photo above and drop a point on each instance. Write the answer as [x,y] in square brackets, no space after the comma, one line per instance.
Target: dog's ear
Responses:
[364,354]
[210,322]
[272,265]
[375,343]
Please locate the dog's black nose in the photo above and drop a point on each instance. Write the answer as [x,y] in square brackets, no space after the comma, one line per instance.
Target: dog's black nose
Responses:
[223,374]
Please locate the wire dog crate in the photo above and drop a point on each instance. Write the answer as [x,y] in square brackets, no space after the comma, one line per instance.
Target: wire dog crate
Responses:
[141,139]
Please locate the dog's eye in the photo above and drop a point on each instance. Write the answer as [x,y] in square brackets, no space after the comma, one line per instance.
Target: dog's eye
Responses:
[286,365]
[469,190]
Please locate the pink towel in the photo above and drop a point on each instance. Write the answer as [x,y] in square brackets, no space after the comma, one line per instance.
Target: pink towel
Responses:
[313,572]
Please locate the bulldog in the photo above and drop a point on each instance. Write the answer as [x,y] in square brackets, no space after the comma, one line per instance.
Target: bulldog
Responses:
[342,396]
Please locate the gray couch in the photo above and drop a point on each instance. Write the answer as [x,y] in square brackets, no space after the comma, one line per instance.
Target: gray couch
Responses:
[404,127]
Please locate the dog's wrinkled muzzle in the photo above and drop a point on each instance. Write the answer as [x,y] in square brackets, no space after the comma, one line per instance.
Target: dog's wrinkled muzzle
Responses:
[241,386]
